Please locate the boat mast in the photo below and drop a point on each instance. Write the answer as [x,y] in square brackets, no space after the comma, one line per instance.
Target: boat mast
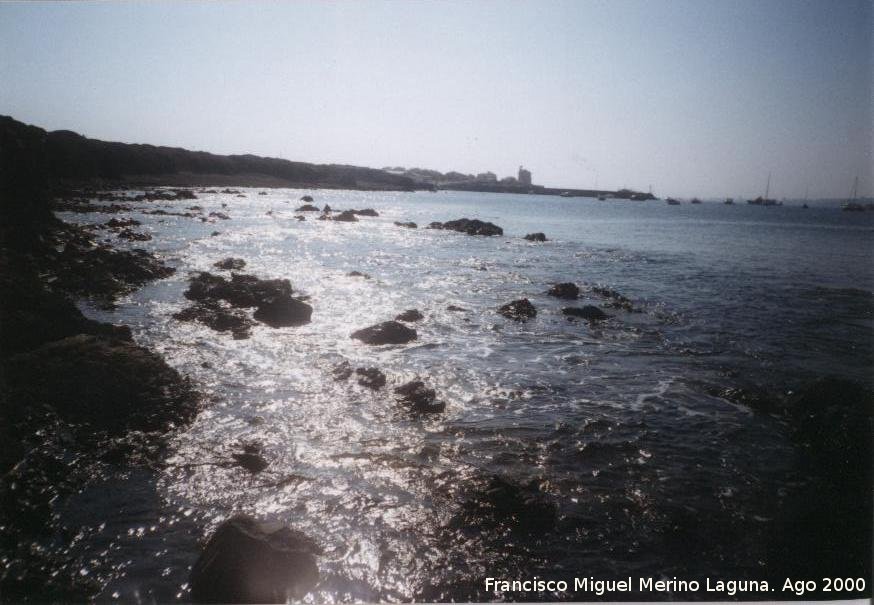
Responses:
[768,186]
[855,187]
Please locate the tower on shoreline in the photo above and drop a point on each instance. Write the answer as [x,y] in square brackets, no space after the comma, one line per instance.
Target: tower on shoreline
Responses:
[524,176]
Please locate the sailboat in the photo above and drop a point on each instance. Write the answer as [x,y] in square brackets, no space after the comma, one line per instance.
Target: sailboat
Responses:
[852,205]
[765,201]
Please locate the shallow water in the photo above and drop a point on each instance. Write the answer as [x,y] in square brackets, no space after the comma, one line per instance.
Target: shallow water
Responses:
[649,473]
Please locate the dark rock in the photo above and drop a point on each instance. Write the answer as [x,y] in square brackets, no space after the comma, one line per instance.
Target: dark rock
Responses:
[469,226]
[388,332]
[519,310]
[306,198]
[262,193]
[419,398]
[218,317]
[300,217]
[251,461]
[241,195]
[408,225]
[371,378]
[228,190]
[282,312]
[219,215]
[366,212]
[536,237]
[327,209]
[347,216]
[215,233]
[230,264]
[195,208]
[456,309]
[410,315]
[121,223]
[246,561]
[110,384]
[358,274]
[566,290]
[239,291]
[342,371]
[307,208]
[588,312]
[324,217]
[616,299]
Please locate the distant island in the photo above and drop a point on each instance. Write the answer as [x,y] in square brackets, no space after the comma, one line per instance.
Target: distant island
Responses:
[74,159]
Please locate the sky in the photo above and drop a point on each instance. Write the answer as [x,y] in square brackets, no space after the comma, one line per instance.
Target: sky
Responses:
[692,97]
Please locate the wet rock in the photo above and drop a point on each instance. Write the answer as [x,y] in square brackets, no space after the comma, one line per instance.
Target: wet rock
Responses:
[215,233]
[115,223]
[347,216]
[388,332]
[342,371]
[408,225]
[365,212]
[240,291]
[241,195]
[419,398]
[519,310]
[251,461]
[324,217]
[410,315]
[300,217]
[218,317]
[262,193]
[372,378]
[616,300]
[588,312]
[306,198]
[246,561]
[229,190]
[536,237]
[219,215]
[230,264]
[566,290]
[327,209]
[358,274]
[754,398]
[456,309]
[110,384]
[283,312]
[195,208]
[307,208]
[469,226]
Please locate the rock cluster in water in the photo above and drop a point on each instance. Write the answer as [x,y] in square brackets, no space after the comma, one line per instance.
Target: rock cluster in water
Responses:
[518,310]
[386,333]
[469,226]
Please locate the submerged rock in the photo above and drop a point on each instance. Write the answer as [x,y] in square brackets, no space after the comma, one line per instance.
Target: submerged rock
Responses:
[616,300]
[300,217]
[372,378]
[306,198]
[219,215]
[565,290]
[469,226]
[536,237]
[456,309]
[419,398]
[358,274]
[408,225]
[410,315]
[588,312]
[246,561]
[113,385]
[365,212]
[519,507]
[307,207]
[519,310]
[387,332]
[230,264]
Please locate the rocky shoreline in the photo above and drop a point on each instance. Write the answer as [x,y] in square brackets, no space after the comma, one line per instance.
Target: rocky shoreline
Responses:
[71,386]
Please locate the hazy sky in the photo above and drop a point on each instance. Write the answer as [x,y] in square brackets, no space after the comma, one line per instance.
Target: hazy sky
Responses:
[691,97]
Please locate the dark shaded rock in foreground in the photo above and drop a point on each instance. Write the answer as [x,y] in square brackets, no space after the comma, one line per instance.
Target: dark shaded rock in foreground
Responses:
[536,237]
[410,315]
[408,225]
[372,378]
[469,226]
[230,264]
[283,312]
[386,333]
[218,317]
[519,310]
[419,398]
[246,561]
[113,385]
[565,290]
[307,208]
[588,312]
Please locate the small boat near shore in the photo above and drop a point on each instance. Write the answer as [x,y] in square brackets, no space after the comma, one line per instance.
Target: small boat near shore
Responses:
[729,201]
[695,200]
[672,202]
[765,201]
[852,205]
